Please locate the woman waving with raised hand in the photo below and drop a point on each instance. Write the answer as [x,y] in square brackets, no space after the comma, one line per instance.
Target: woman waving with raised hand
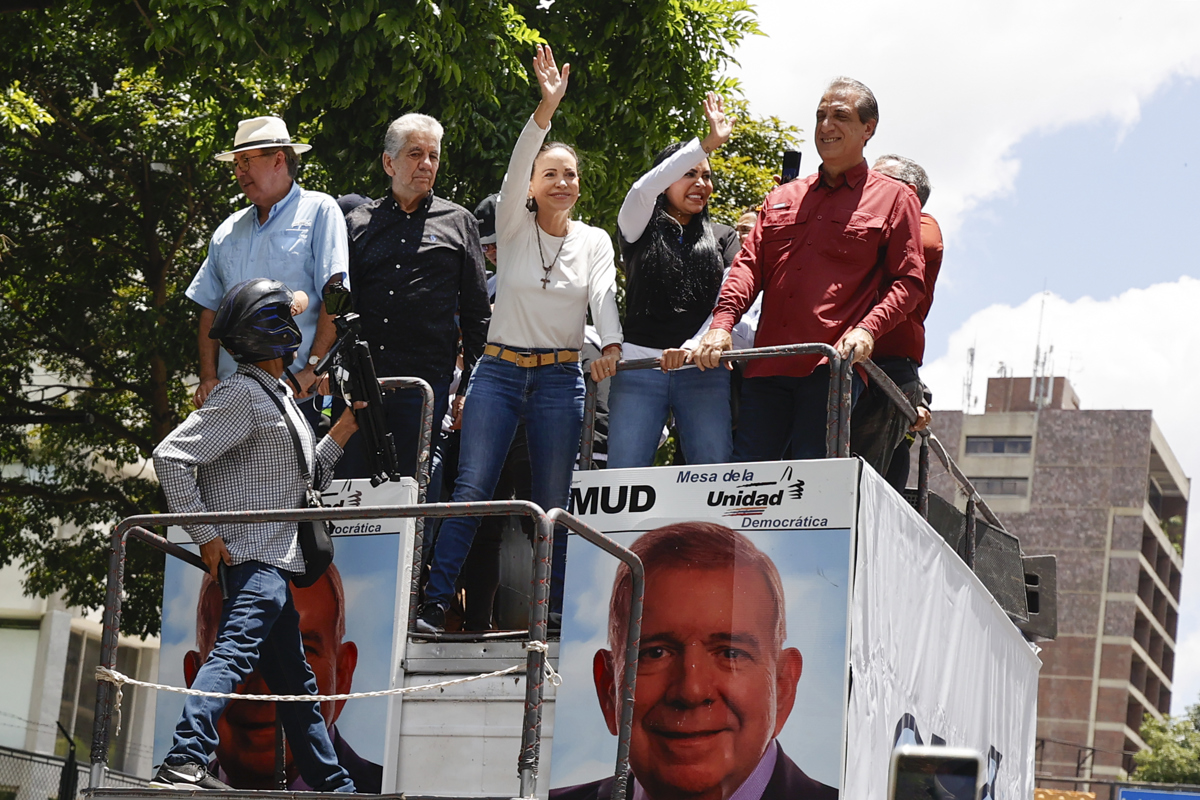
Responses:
[675,260]
[549,270]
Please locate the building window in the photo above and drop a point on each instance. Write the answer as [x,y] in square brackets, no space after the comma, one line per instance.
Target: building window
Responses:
[1002,487]
[78,707]
[999,445]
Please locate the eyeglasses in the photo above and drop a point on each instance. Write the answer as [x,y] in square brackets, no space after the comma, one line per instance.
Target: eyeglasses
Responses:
[244,161]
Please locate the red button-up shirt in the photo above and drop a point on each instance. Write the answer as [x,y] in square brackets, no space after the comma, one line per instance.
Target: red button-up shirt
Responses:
[907,339]
[820,254]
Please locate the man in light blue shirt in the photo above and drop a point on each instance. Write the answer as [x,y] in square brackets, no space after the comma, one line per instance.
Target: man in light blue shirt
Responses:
[288,234]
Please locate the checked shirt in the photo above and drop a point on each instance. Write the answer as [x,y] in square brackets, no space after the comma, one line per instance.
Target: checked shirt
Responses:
[236,454]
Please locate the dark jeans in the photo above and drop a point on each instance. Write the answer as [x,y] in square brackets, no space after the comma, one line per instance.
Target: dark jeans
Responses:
[402,408]
[781,410]
[550,401]
[878,431]
[260,628]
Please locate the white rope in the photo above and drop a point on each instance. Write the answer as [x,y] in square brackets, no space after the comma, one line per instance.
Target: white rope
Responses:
[119,679]
[112,676]
[547,668]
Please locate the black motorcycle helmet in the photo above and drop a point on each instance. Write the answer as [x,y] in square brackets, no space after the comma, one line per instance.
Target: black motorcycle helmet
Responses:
[254,322]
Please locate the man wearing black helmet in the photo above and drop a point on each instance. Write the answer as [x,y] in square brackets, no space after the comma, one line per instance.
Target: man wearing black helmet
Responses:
[236,453]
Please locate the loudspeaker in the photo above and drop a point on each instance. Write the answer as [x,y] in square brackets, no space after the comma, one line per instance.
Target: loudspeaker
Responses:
[997,553]
[1041,591]
[998,565]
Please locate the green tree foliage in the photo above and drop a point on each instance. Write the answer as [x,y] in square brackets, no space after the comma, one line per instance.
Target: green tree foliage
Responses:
[744,169]
[110,113]
[1173,749]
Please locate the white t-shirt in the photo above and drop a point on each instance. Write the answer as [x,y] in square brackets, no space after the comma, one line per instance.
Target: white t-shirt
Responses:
[585,272]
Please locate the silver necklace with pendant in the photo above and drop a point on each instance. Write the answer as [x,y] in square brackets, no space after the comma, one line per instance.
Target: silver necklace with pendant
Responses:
[542,254]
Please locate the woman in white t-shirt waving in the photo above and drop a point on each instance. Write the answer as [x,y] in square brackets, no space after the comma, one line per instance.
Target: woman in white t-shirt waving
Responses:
[549,270]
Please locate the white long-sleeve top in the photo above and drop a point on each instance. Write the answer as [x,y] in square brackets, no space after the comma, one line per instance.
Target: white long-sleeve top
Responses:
[585,273]
[637,211]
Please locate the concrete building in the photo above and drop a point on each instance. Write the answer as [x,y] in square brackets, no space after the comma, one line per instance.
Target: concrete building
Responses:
[1103,492]
[48,658]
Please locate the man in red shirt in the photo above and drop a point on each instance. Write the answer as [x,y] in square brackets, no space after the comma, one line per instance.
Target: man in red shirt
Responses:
[838,259]
[878,432]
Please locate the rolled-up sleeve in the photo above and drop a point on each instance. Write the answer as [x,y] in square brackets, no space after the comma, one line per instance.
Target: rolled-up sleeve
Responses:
[330,246]
[206,287]
[208,433]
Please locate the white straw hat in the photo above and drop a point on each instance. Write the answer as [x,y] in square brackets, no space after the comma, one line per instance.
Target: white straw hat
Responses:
[259,132]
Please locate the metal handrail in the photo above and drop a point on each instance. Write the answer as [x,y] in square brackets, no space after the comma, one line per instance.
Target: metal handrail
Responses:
[837,423]
[838,417]
[424,472]
[633,636]
[136,527]
[527,763]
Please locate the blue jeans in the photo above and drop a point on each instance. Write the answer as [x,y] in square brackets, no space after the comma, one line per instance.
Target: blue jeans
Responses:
[402,409]
[638,404]
[779,410]
[501,394]
[260,628]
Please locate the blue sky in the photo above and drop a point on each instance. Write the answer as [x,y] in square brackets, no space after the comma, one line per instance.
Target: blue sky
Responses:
[1096,209]
[1061,142]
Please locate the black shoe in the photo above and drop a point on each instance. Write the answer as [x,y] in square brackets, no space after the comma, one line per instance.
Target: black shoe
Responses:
[554,622]
[431,618]
[188,775]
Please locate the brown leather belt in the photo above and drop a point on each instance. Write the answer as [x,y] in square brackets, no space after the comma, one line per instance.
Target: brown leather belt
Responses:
[528,360]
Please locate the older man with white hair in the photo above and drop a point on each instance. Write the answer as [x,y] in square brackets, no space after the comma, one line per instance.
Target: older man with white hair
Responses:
[416,264]
[289,234]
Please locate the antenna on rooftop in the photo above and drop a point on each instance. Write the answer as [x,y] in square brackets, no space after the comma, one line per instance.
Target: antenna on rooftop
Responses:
[969,380]
[1041,385]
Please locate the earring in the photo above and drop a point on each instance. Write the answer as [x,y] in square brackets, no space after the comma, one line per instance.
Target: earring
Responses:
[531,204]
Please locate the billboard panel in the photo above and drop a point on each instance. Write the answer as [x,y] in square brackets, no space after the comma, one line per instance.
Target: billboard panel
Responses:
[348,622]
[742,672]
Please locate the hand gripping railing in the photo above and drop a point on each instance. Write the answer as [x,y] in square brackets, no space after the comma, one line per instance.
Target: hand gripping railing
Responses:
[837,422]
[135,527]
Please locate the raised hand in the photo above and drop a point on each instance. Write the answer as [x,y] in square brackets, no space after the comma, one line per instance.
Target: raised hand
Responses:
[552,82]
[720,127]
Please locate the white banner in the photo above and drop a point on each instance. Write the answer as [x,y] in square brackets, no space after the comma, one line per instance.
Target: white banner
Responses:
[934,659]
[796,516]
[770,495]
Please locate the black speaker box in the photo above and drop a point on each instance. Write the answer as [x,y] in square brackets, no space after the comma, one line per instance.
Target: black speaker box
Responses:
[997,553]
[1041,591]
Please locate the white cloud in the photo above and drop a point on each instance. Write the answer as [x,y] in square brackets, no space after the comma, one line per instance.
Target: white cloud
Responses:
[960,84]
[1133,351]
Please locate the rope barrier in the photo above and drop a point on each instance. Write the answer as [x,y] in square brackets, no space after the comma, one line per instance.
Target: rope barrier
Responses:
[547,668]
[119,680]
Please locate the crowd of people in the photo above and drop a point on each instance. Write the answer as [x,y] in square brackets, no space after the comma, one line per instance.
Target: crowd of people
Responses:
[844,257]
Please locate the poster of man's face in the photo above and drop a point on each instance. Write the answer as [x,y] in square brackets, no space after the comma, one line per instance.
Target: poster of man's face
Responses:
[346,624]
[741,673]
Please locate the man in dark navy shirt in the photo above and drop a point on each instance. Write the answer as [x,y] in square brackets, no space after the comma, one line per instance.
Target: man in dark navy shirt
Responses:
[422,280]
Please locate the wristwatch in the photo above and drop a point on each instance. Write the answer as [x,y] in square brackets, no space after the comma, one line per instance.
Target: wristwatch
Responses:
[314,360]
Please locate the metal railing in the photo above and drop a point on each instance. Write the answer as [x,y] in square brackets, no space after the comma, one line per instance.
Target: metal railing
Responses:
[837,422]
[527,765]
[837,445]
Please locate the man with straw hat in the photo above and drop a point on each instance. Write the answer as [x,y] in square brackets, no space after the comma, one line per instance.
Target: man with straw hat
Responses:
[289,234]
